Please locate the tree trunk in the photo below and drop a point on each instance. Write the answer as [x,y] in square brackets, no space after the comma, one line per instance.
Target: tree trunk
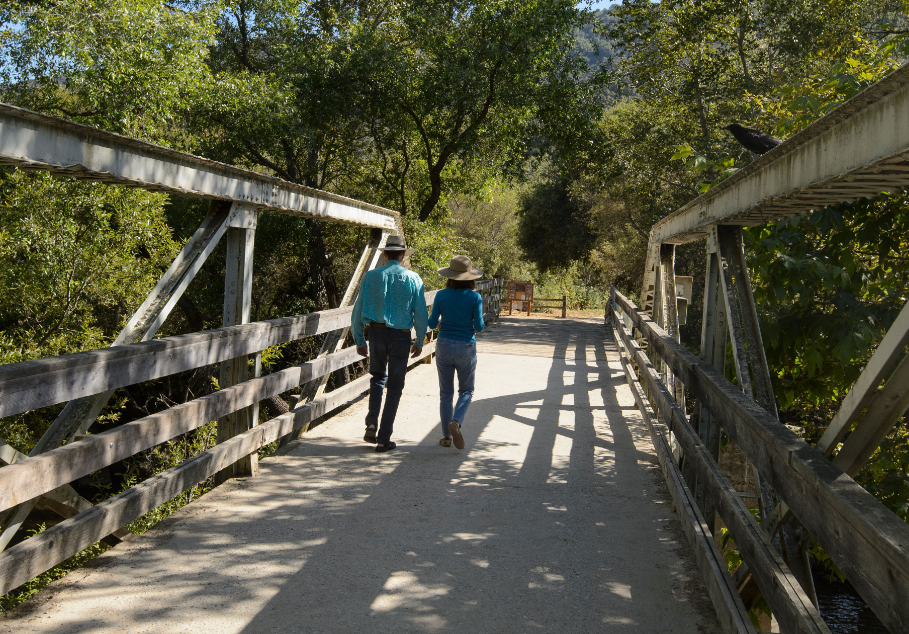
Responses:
[320,268]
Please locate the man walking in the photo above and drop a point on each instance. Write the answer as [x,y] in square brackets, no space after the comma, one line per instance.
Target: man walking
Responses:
[391,302]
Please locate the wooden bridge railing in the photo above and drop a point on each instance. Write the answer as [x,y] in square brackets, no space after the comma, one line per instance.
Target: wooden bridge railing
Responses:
[859,150]
[868,542]
[32,384]
[86,381]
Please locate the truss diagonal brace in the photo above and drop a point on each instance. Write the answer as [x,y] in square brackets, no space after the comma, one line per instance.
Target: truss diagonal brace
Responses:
[78,415]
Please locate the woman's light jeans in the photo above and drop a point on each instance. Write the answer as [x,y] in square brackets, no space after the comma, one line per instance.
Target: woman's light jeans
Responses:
[461,357]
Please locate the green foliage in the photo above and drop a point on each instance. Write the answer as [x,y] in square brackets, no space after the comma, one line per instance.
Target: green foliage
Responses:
[75,259]
[129,66]
[829,285]
[488,228]
[399,104]
[554,226]
[701,166]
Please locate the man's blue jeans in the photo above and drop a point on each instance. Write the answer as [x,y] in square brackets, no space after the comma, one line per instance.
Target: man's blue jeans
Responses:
[461,357]
[388,352]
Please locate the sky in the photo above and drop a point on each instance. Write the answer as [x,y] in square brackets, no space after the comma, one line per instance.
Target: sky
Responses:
[602,4]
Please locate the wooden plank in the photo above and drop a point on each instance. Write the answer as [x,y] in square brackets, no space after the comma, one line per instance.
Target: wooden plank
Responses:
[865,539]
[713,351]
[32,384]
[731,251]
[726,601]
[875,371]
[64,501]
[238,279]
[886,407]
[36,141]
[40,474]
[45,550]
[790,604]
[79,414]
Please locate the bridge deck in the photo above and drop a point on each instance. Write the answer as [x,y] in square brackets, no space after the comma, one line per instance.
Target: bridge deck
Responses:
[554,518]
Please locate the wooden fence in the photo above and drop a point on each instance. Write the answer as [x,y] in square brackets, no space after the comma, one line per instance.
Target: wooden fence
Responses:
[29,385]
[552,303]
[866,540]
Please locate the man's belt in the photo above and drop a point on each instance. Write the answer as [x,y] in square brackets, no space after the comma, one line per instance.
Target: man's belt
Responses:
[376,324]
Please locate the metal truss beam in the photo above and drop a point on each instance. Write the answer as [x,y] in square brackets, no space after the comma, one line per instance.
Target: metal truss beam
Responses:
[35,141]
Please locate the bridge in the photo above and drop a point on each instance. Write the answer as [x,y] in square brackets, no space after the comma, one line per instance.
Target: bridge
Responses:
[591,495]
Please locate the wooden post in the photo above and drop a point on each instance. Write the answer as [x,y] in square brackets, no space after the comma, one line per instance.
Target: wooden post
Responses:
[237,301]
[713,351]
[754,376]
[564,306]
[669,315]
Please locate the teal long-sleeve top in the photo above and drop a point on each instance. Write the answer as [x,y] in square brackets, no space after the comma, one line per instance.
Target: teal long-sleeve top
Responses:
[391,295]
[461,312]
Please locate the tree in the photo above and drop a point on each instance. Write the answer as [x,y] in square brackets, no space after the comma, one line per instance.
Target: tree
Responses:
[554,226]
[468,82]
[126,66]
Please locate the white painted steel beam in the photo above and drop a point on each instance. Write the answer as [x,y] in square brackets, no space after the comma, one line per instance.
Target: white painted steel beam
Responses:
[35,141]
[866,140]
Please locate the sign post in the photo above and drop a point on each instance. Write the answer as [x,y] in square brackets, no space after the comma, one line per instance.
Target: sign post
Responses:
[520,296]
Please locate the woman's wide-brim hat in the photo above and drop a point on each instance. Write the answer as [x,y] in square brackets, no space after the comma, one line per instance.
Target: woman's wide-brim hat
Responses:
[461,268]
[396,243]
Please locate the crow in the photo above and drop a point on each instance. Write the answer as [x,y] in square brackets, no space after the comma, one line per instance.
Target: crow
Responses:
[752,140]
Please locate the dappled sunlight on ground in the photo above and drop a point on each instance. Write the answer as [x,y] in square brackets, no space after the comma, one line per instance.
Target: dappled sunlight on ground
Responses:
[553,519]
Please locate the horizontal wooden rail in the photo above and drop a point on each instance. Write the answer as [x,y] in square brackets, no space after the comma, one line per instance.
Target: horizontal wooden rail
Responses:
[731,611]
[32,384]
[790,604]
[866,540]
[45,550]
[45,472]
[485,285]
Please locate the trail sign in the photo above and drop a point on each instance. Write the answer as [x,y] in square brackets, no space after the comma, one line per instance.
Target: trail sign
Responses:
[520,296]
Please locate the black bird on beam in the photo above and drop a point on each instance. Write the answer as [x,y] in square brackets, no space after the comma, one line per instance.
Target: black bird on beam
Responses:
[752,140]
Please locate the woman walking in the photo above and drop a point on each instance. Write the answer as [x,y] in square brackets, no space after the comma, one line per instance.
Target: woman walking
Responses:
[460,309]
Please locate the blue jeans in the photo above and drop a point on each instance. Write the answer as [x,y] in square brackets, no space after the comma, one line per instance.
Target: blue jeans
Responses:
[388,352]
[461,357]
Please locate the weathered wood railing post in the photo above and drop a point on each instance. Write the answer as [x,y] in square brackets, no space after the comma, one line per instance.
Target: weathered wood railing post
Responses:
[753,375]
[713,351]
[238,278]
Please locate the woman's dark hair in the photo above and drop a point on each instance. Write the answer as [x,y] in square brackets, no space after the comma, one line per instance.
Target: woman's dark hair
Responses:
[459,284]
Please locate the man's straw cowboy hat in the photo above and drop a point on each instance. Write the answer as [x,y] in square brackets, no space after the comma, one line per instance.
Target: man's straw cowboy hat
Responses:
[461,268]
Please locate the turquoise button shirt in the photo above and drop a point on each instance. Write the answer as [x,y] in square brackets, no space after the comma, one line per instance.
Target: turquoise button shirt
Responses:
[391,295]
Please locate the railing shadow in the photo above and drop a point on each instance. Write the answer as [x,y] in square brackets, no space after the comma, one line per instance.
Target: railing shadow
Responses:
[552,519]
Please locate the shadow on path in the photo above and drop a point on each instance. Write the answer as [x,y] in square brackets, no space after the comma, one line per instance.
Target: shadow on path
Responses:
[553,519]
